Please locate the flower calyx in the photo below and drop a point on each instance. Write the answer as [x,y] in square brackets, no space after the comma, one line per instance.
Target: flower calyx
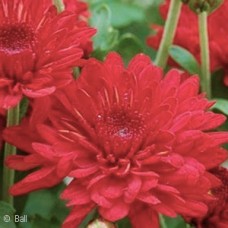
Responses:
[199,6]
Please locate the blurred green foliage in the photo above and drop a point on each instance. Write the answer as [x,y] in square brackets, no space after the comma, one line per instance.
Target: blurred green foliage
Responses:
[123,26]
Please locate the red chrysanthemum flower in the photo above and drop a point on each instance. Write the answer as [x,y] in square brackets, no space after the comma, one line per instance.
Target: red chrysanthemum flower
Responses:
[38,48]
[136,144]
[217,216]
[187,35]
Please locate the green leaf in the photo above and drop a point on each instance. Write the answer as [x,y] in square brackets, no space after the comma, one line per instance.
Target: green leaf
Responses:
[124,223]
[24,107]
[6,215]
[45,207]
[129,45]
[185,59]
[39,207]
[219,89]
[167,222]
[221,105]
[90,217]
[106,37]
[39,221]
[41,203]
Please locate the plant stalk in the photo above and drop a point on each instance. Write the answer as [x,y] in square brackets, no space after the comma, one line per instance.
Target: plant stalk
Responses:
[169,33]
[162,221]
[59,5]
[13,116]
[205,55]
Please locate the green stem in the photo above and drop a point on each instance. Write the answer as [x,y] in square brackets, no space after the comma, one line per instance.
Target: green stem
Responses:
[162,221]
[205,56]
[169,33]
[59,5]
[8,174]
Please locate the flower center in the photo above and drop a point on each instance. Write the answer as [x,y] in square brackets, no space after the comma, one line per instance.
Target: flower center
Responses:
[120,131]
[122,124]
[15,38]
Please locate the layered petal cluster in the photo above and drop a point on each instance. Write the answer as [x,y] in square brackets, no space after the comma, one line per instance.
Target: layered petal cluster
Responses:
[134,143]
[187,35]
[38,48]
[217,216]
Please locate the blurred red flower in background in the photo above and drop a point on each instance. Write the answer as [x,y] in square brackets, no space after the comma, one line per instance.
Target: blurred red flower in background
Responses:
[38,48]
[187,35]
[136,144]
[217,216]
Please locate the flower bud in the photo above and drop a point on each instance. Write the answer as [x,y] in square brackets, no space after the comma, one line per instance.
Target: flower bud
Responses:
[199,6]
[101,223]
